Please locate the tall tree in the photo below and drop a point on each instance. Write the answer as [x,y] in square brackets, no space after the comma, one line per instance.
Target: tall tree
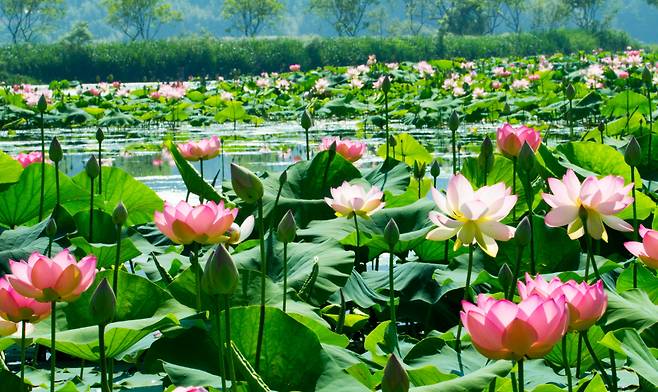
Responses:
[25,19]
[474,17]
[419,14]
[140,19]
[547,14]
[346,16]
[249,17]
[590,14]
[513,13]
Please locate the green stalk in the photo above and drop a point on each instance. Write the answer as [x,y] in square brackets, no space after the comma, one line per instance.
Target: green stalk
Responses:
[358,242]
[515,385]
[514,187]
[391,290]
[229,356]
[386,122]
[220,348]
[57,186]
[43,171]
[520,369]
[454,152]
[580,354]
[570,116]
[115,281]
[613,368]
[23,386]
[590,257]
[341,315]
[263,261]
[53,351]
[565,362]
[91,213]
[308,149]
[285,274]
[103,360]
[635,230]
[194,260]
[100,172]
[467,288]
[597,362]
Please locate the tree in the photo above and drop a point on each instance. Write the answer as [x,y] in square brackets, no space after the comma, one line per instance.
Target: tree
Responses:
[514,14]
[467,17]
[347,16]
[547,14]
[419,13]
[140,19]
[79,35]
[590,14]
[24,19]
[251,16]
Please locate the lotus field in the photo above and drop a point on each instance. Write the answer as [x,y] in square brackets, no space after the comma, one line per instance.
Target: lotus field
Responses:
[511,250]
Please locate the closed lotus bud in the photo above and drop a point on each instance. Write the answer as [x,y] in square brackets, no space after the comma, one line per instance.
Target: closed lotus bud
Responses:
[391,233]
[283,178]
[570,92]
[92,168]
[453,121]
[505,276]
[246,184]
[307,120]
[419,169]
[633,153]
[507,109]
[42,105]
[647,78]
[386,84]
[395,377]
[100,136]
[526,159]
[120,214]
[103,304]
[435,169]
[51,228]
[220,277]
[55,151]
[523,233]
[486,157]
[392,141]
[287,229]
[601,127]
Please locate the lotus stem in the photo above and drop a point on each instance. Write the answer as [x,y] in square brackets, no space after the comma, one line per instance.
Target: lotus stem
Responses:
[515,385]
[597,362]
[340,323]
[514,187]
[520,370]
[358,242]
[100,171]
[517,271]
[386,123]
[391,291]
[57,204]
[467,287]
[115,281]
[580,355]
[613,369]
[454,152]
[285,274]
[43,170]
[53,350]
[308,149]
[91,212]
[194,260]
[635,230]
[101,344]
[565,362]
[23,386]
[220,344]
[229,356]
[263,261]
[446,246]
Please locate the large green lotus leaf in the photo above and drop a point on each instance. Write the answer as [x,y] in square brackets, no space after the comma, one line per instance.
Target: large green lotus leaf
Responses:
[200,351]
[138,298]
[453,276]
[335,376]
[291,353]
[646,280]
[192,179]
[119,186]
[19,243]
[357,291]
[391,176]
[10,169]
[644,207]
[631,309]
[640,358]
[595,333]
[472,382]
[186,376]
[407,150]
[325,335]
[234,111]
[19,204]
[626,102]
[413,281]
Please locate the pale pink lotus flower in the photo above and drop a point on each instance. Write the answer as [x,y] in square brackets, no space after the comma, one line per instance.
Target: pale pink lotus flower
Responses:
[7,328]
[32,97]
[392,66]
[16,307]
[204,224]
[171,91]
[598,199]
[496,85]
[647,250]
[356,83]
[467,65]
[372,59]
[424,69]
[587,303]
[226,96]
[479,92]
[295,67]
[501,329]
[520,85]
[349,200]
[282,84]
[472,216]
[348,149]
[362,69]
[377,84]
[190,389]
[533,77]
[203,149]
[321,85]
[238,233]
[510,140]
[27,159]
[61,278]
[458,91]
[262,83]
[501,72]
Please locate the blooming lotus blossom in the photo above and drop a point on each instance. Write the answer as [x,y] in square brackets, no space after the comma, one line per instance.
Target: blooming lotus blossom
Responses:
[533,77]
[203,149]
[204,224]
[372,59]
[621,73]
[424,69]
[170,91]
[586,303]
[647,250]
[16,307]
[510,139]
[356,83]
[377,84]
[348,149]
[295,67]
[58,279]
[479,92]
[238,233]
[262,83]
[282,84]
[520,85]
[349,200]
[473,216]
[27,159]
[598,199]
[190,389]
[392,66]
[496,85]
[321,85]
[226,96]
[501,329]
[501,72]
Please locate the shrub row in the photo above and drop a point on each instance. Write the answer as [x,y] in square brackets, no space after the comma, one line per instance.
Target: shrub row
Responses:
[179,58]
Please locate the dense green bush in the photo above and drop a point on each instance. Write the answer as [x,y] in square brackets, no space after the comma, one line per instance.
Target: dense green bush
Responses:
[180,58]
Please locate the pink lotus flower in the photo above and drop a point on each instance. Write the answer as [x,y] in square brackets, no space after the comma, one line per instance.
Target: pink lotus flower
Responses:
[473,216]
[190,389]
[510,139]
[424,69]
[58,279]
[238,233]
[647,250]
[501,329]
[203,149]
[16,307]
[598,199]
[295,67]
[586,303]
[496,85]
[204,224]
[348,149]
[7,327]
[27,159]
[349,200]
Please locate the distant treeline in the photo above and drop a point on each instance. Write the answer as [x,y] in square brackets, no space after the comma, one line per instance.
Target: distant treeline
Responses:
[178,59]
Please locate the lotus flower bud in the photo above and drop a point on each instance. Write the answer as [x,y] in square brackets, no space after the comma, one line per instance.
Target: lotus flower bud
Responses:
[505,276]
[392,141]
[246,184]
[386,84]
[391,233]
[120,214]
[507,109]
[633,153]
[395,377]
[486,157]
[55,151]
[453,121]
[42,105]
[92,168]
[523,234]
[100,136]
[435,169]
[220,276]
[570,92]
[647,77]
[419,170]
[103,303]
[307,120]
[332,150]
[526,159]
[51,228]
[287,228]
[601,127]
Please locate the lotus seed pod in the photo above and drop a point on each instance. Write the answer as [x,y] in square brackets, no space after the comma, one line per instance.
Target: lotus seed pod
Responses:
[42,105]
[246,184]
[386,84]
[100,136]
